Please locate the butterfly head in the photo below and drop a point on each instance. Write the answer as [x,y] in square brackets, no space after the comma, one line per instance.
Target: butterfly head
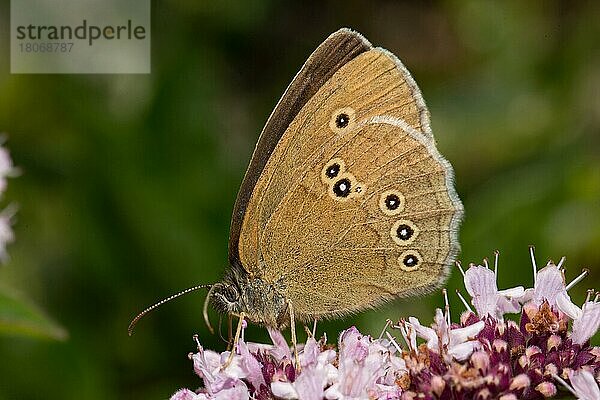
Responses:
[260,302]
[225,297]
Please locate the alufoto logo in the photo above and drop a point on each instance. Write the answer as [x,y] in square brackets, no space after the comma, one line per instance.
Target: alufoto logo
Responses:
[84,31]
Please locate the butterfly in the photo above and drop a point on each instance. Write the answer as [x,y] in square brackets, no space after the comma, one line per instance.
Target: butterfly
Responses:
[346,203]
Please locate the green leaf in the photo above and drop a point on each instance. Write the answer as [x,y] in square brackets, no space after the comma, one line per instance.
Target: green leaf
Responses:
[20,317]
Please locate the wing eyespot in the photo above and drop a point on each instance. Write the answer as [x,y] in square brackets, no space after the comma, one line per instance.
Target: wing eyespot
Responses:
[404,232]
[391,202]
[342,120]
[410,260]
[332,169]
[345,187]
[342,187]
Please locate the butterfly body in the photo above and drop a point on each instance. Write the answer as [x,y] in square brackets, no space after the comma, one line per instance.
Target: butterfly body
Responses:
[346,203]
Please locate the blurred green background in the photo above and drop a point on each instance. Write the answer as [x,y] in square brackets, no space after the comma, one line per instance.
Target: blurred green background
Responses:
[128,181]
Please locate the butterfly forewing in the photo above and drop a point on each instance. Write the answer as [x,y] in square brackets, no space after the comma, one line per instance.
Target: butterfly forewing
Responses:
[339,48]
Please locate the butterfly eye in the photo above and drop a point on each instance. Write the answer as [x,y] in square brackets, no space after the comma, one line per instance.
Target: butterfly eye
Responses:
[391,202]
[410,261]
[342,187]
[342,120]
[231,294]
[404,232]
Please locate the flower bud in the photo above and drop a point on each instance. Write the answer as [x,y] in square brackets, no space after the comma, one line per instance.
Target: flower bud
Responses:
[480,360]
[437,385]
[550,370]
[547,389]
[553,342]
[499,345]
[520,381]
[523,361]
[531,350]
[500,328]
[483,394]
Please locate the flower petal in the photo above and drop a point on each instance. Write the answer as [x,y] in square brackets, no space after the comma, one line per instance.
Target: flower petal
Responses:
[333,392]
[513,293]
[238,392]
[205,362]
[584,385]
[441,326]
[310,383]
[6,168]
[310,354]
[480,283]
[426,333]
[507,306]
[361,364]
[250,366]
[234,370]
[353,344]
[281,350]
[587,324]
[284,390]
[186,394]
[548,284]
[385,392]
[479,279]
[527,296]
[564,304]
[460,335]
[464,350]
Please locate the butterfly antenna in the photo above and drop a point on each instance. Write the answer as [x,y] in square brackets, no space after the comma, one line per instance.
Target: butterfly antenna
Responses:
[160,303]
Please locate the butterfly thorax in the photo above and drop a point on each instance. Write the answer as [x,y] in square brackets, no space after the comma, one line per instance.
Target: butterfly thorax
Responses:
[261,302]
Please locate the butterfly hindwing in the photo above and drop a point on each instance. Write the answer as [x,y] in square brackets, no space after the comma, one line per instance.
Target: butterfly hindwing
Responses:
[346,247]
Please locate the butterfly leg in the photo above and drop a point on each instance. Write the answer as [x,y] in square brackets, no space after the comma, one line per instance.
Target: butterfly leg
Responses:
[314,330]
[236,339]
[229,331]
[294,340]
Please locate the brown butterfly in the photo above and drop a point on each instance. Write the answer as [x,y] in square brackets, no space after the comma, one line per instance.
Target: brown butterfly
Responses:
[346,203]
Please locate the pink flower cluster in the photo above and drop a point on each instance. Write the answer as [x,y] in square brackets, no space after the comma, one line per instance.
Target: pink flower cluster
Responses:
[483,356]
[6,234]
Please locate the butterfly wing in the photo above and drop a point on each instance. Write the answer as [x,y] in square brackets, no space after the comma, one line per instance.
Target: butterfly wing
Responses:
[335,52]
[286,222]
